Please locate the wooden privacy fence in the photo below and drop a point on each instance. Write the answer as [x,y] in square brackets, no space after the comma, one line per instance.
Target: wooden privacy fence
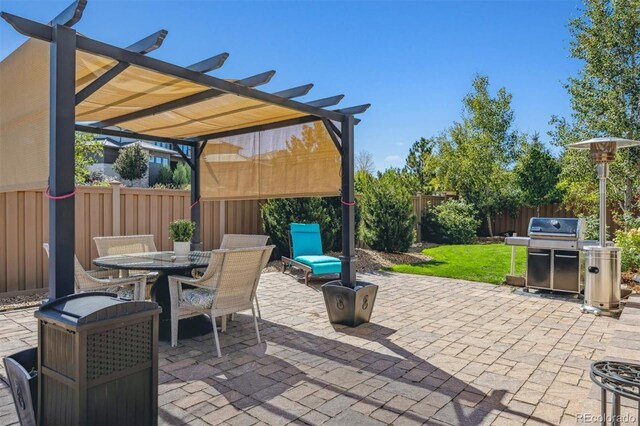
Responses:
[105,211]
[114,210]
[504,222]
[519,224]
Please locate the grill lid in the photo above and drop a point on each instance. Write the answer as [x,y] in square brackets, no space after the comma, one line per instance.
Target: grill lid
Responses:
[553,227]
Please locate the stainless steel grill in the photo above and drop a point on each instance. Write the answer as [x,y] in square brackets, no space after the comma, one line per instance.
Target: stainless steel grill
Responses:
[554,253]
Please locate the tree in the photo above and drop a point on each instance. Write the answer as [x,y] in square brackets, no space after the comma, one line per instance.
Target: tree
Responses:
[418,164]
[536,174]
[165,176]
[181,175]
[387,214]
[132,162]
[605,99]
[87,149]
[474,160]
[364,163]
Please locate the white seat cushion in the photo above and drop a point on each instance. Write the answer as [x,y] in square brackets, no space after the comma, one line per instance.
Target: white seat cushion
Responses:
[199,297]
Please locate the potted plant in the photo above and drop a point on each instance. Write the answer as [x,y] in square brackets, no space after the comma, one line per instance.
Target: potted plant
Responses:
[181,232]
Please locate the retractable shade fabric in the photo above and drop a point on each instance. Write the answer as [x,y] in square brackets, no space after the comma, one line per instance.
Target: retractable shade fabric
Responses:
[24,117]
[296,161]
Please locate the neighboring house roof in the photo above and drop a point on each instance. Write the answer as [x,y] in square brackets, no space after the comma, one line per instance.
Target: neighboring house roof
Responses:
[224,158]
[111,143]
[222,147]
[108,142]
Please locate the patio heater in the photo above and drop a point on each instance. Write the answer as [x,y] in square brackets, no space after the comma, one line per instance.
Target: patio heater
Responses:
[602,262]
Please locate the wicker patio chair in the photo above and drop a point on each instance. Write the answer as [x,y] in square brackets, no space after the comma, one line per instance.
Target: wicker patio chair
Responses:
[228,286]
[109,246]
[236,241]
[131,287]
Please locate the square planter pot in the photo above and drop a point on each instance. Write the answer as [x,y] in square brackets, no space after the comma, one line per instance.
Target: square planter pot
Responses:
[349,306]
[181,249]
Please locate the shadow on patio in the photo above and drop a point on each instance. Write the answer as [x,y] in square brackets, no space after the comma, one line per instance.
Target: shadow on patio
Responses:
[296,371]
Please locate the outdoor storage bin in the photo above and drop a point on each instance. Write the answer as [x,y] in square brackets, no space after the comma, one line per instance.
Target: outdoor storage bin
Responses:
[97,361]
[23,378]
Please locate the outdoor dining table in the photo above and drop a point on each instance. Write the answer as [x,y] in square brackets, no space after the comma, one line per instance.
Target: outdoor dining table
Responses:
[165,263]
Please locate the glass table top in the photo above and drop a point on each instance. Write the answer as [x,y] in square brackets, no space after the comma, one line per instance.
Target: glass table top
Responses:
[158,261]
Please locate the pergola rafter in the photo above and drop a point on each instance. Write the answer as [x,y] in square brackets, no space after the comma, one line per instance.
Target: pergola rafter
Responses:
[144,46]
[209,108]
[253,81]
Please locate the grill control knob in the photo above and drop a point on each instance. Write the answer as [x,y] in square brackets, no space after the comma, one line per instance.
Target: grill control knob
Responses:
[555,224]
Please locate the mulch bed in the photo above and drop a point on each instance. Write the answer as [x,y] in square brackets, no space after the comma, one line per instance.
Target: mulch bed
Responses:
[9,303]
[627,278]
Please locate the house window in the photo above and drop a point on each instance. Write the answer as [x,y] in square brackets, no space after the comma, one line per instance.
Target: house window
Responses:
[159,160]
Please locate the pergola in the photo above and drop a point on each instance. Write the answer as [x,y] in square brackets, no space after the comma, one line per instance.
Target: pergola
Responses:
[103,89]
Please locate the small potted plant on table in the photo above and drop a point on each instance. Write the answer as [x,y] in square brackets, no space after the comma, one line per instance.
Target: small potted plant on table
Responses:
[181,232]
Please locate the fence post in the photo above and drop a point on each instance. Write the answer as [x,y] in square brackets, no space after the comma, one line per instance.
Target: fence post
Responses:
[419,217]
[115,208]
[513,257]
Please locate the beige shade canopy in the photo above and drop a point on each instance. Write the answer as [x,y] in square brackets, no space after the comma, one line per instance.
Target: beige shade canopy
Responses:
[296,161]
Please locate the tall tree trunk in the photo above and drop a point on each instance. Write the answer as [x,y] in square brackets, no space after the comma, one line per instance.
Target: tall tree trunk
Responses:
[538,210]
[489,224]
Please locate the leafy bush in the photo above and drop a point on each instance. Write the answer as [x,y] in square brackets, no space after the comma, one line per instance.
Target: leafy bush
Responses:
[181,176]
[388,216]
[132,162]
[96,178]
[452,222]
[181,230]
[165,176]
[87,150]
[592,228]
[278,213]
[630,243]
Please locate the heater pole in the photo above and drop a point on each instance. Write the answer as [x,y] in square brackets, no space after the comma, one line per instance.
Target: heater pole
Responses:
[603,174]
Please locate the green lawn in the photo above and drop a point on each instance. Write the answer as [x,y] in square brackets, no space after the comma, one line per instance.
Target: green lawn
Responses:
[488,263]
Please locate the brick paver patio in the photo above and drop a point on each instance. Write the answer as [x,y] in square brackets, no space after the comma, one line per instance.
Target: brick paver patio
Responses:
[438,351]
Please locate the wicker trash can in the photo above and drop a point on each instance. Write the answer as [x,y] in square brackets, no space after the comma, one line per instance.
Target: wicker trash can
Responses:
[97,361]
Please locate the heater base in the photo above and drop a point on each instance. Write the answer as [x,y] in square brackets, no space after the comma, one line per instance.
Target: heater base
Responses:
[612,312]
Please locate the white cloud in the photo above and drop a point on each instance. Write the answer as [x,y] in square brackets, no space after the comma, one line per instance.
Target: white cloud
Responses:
[399,143]
[393,159]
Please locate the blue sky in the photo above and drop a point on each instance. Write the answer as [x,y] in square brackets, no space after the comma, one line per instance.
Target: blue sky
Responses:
[413,61]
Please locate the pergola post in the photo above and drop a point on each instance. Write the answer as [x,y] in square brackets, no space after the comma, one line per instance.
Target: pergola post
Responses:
[348,301]
[348,276]
[62,162]
[195,195]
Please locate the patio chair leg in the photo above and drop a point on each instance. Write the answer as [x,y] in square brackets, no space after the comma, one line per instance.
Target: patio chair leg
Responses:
[223,324]
[174,330]
[258,307]
[215,337]
[255,322]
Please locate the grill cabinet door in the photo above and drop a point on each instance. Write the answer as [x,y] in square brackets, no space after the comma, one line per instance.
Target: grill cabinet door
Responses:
[566,270]
[539,268]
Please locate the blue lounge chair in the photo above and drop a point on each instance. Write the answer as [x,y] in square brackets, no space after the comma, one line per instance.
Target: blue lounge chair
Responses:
[306,252]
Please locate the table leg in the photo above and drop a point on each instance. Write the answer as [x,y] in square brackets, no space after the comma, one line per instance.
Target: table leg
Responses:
[603,406]
[188,327]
